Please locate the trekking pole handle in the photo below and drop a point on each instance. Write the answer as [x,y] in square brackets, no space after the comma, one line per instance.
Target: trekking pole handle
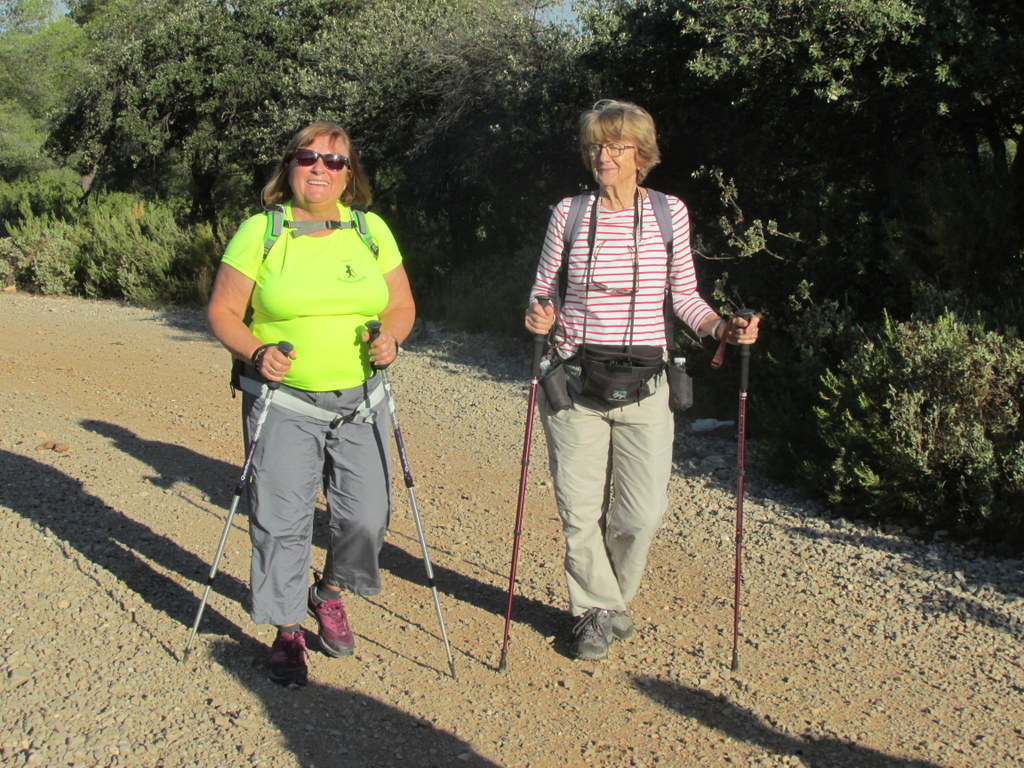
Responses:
[745,350]
[539,339]
[286,348]
[374,329]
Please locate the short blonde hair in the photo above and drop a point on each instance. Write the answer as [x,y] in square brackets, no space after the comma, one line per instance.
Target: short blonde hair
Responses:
[279,189]
[609,120]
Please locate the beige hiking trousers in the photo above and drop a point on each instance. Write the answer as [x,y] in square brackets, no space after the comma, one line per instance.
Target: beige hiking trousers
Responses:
[611,469]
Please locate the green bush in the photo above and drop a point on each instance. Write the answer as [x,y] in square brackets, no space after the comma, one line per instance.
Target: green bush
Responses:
[53,193]
[116,247]
[40,254]
[128,246]
[924,425]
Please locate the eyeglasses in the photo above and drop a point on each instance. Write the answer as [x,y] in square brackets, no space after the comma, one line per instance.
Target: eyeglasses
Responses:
[307,159]
[614,149]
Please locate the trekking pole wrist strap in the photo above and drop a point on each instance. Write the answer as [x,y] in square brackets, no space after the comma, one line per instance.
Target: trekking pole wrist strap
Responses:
[257,356]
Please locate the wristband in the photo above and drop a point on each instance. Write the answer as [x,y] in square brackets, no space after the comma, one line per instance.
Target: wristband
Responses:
[714,332]
[257,356]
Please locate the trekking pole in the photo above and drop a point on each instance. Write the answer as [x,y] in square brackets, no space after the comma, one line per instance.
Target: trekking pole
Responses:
[285,348]
[538,350]
[741,450]
[374,329]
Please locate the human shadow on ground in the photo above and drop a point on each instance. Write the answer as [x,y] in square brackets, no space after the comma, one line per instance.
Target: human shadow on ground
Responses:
[408,565]
[217,479]
[741,724]
[113,541]
[173,463]
[328,726]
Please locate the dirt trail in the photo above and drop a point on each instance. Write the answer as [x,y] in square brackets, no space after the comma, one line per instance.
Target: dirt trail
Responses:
[861,647]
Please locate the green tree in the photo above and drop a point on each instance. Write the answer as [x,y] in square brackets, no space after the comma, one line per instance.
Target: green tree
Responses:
[453,105]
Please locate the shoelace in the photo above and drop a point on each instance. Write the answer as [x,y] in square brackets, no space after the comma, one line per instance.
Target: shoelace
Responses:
[589,624]
[335,610]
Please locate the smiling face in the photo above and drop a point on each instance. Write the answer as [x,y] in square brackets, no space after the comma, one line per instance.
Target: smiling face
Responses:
[615,171]
[315,189]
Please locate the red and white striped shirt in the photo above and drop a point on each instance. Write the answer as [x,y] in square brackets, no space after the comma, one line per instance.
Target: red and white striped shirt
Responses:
[603,293]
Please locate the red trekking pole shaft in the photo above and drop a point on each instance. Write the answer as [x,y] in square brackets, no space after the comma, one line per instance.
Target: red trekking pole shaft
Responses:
[539,341]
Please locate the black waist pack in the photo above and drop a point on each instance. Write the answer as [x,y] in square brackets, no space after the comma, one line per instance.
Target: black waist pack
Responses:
[617,376]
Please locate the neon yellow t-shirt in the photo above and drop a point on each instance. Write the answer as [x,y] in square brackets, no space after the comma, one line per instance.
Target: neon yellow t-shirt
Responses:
[317,293]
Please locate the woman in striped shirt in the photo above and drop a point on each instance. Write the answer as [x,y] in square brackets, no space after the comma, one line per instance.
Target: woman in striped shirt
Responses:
[611,457]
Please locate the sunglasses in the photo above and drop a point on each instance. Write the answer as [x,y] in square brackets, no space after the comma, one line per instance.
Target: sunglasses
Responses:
[307,159]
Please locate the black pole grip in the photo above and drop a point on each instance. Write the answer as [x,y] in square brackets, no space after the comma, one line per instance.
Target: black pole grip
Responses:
[286,348]
[374,328]
[539,339]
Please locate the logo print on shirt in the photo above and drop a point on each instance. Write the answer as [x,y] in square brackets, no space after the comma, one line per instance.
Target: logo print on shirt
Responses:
[350,275]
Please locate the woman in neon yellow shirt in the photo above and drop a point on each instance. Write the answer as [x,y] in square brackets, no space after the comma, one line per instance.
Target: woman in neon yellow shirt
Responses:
[315,287]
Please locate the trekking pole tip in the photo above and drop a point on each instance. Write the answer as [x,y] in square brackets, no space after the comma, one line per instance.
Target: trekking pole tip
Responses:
[503,664]
[451,666]
[735,662]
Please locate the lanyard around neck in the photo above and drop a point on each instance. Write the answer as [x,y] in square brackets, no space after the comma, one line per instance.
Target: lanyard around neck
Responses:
[638,229]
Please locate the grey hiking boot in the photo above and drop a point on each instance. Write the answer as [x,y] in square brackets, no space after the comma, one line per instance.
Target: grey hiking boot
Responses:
[592,635]
[622,624]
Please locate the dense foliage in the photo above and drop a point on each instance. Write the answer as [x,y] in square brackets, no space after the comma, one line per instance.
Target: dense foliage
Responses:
[851,168]
[924,423]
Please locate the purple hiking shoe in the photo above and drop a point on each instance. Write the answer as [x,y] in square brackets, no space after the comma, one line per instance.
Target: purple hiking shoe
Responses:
[288,659]
[335,633]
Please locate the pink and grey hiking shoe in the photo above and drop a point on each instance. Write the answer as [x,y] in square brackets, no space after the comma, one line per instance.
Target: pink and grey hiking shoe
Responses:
[335,634]
[288,659]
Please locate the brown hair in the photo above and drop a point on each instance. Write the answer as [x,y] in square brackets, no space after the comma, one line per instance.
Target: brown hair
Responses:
[610,119]
[357,192]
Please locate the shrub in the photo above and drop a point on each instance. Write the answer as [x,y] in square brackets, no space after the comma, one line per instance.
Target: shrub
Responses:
[52,193]
[40,254]
[924,424]
[127,248]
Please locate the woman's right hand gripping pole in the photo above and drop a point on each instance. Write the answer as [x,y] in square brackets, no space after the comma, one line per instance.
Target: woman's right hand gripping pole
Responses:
[540,316]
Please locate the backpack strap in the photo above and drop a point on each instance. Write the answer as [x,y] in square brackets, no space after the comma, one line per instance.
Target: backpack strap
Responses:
[573,222]
[359,222]
[574,219]
[276,224]
[659,201]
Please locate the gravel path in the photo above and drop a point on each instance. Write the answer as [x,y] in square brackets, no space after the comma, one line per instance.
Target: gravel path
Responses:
[119,449]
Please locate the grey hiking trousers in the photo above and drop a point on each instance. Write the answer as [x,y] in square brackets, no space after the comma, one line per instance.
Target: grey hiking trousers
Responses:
[296,456]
